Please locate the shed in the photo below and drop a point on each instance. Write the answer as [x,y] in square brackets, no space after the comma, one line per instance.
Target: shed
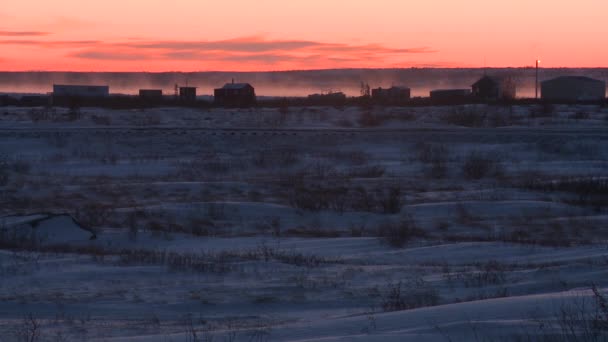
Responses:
[573,89]
[187,94]
[392,94]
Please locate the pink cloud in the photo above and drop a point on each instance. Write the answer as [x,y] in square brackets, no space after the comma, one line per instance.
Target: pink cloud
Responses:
[50,43]
[246,49]
[245,52]
[22,33]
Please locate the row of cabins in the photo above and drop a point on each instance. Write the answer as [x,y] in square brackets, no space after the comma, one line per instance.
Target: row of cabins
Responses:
[231,94]
[488,88]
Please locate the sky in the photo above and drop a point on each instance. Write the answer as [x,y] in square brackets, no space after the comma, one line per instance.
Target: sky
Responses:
[275,35]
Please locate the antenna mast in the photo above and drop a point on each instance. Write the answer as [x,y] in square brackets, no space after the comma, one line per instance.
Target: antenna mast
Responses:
[536,82]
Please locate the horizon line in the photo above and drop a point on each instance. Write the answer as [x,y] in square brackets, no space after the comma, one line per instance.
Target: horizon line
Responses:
[301,70]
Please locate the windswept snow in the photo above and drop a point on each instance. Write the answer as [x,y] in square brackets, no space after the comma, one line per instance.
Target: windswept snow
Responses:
[304,224]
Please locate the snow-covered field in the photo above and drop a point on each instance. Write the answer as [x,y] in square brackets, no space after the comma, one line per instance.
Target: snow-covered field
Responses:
[482,223]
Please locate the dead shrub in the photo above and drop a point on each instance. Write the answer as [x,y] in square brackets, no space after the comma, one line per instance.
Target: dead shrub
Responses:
[488,274]
[580,115]
[93,215]
[101,120]
[390,200]
[372,171]
[402,296]
[397,234]
[464,116]
[4,174]
[436,156]
[369,119]
[544,110]
[278,157]
[478,165]
[317,197]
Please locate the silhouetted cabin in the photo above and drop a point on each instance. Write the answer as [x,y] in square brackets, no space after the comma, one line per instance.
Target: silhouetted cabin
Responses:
[573,89]
[450,94]
[235,94]
[391,95]
[328,99]
[187,94]
[80,91]
[494,88]
[151,94]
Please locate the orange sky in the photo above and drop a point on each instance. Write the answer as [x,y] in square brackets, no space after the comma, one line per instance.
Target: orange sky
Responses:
[256,35]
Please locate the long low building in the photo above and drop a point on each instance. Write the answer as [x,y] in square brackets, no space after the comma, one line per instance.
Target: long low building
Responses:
[450,94]
[80,90]
[151,94]
[392,94]
[573,89]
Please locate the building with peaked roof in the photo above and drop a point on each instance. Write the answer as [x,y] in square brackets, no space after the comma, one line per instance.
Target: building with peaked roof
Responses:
[573,89]
[235,94]
[494,88]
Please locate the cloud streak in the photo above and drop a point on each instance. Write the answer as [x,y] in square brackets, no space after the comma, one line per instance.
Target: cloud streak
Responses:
[109,55]
[243,52]
[22,33]
[255,44]
[244,44]
[51,43]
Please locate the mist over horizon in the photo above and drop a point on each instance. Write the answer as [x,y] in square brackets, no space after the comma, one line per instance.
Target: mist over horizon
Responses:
[289,83]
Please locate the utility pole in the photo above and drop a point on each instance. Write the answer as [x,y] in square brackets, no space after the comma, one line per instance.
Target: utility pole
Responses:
[536,82]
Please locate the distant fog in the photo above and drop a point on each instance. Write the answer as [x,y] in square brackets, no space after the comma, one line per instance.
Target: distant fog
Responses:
[289,83]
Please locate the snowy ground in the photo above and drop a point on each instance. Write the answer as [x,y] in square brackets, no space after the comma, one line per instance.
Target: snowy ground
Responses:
[481,223]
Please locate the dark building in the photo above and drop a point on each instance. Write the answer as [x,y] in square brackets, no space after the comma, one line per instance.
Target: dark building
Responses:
[391,95]
[151,94]
[34,100]
[573,89]
[450,94]
[327,99]
[235,94]
[187,94]
[494,88]
[80,91]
